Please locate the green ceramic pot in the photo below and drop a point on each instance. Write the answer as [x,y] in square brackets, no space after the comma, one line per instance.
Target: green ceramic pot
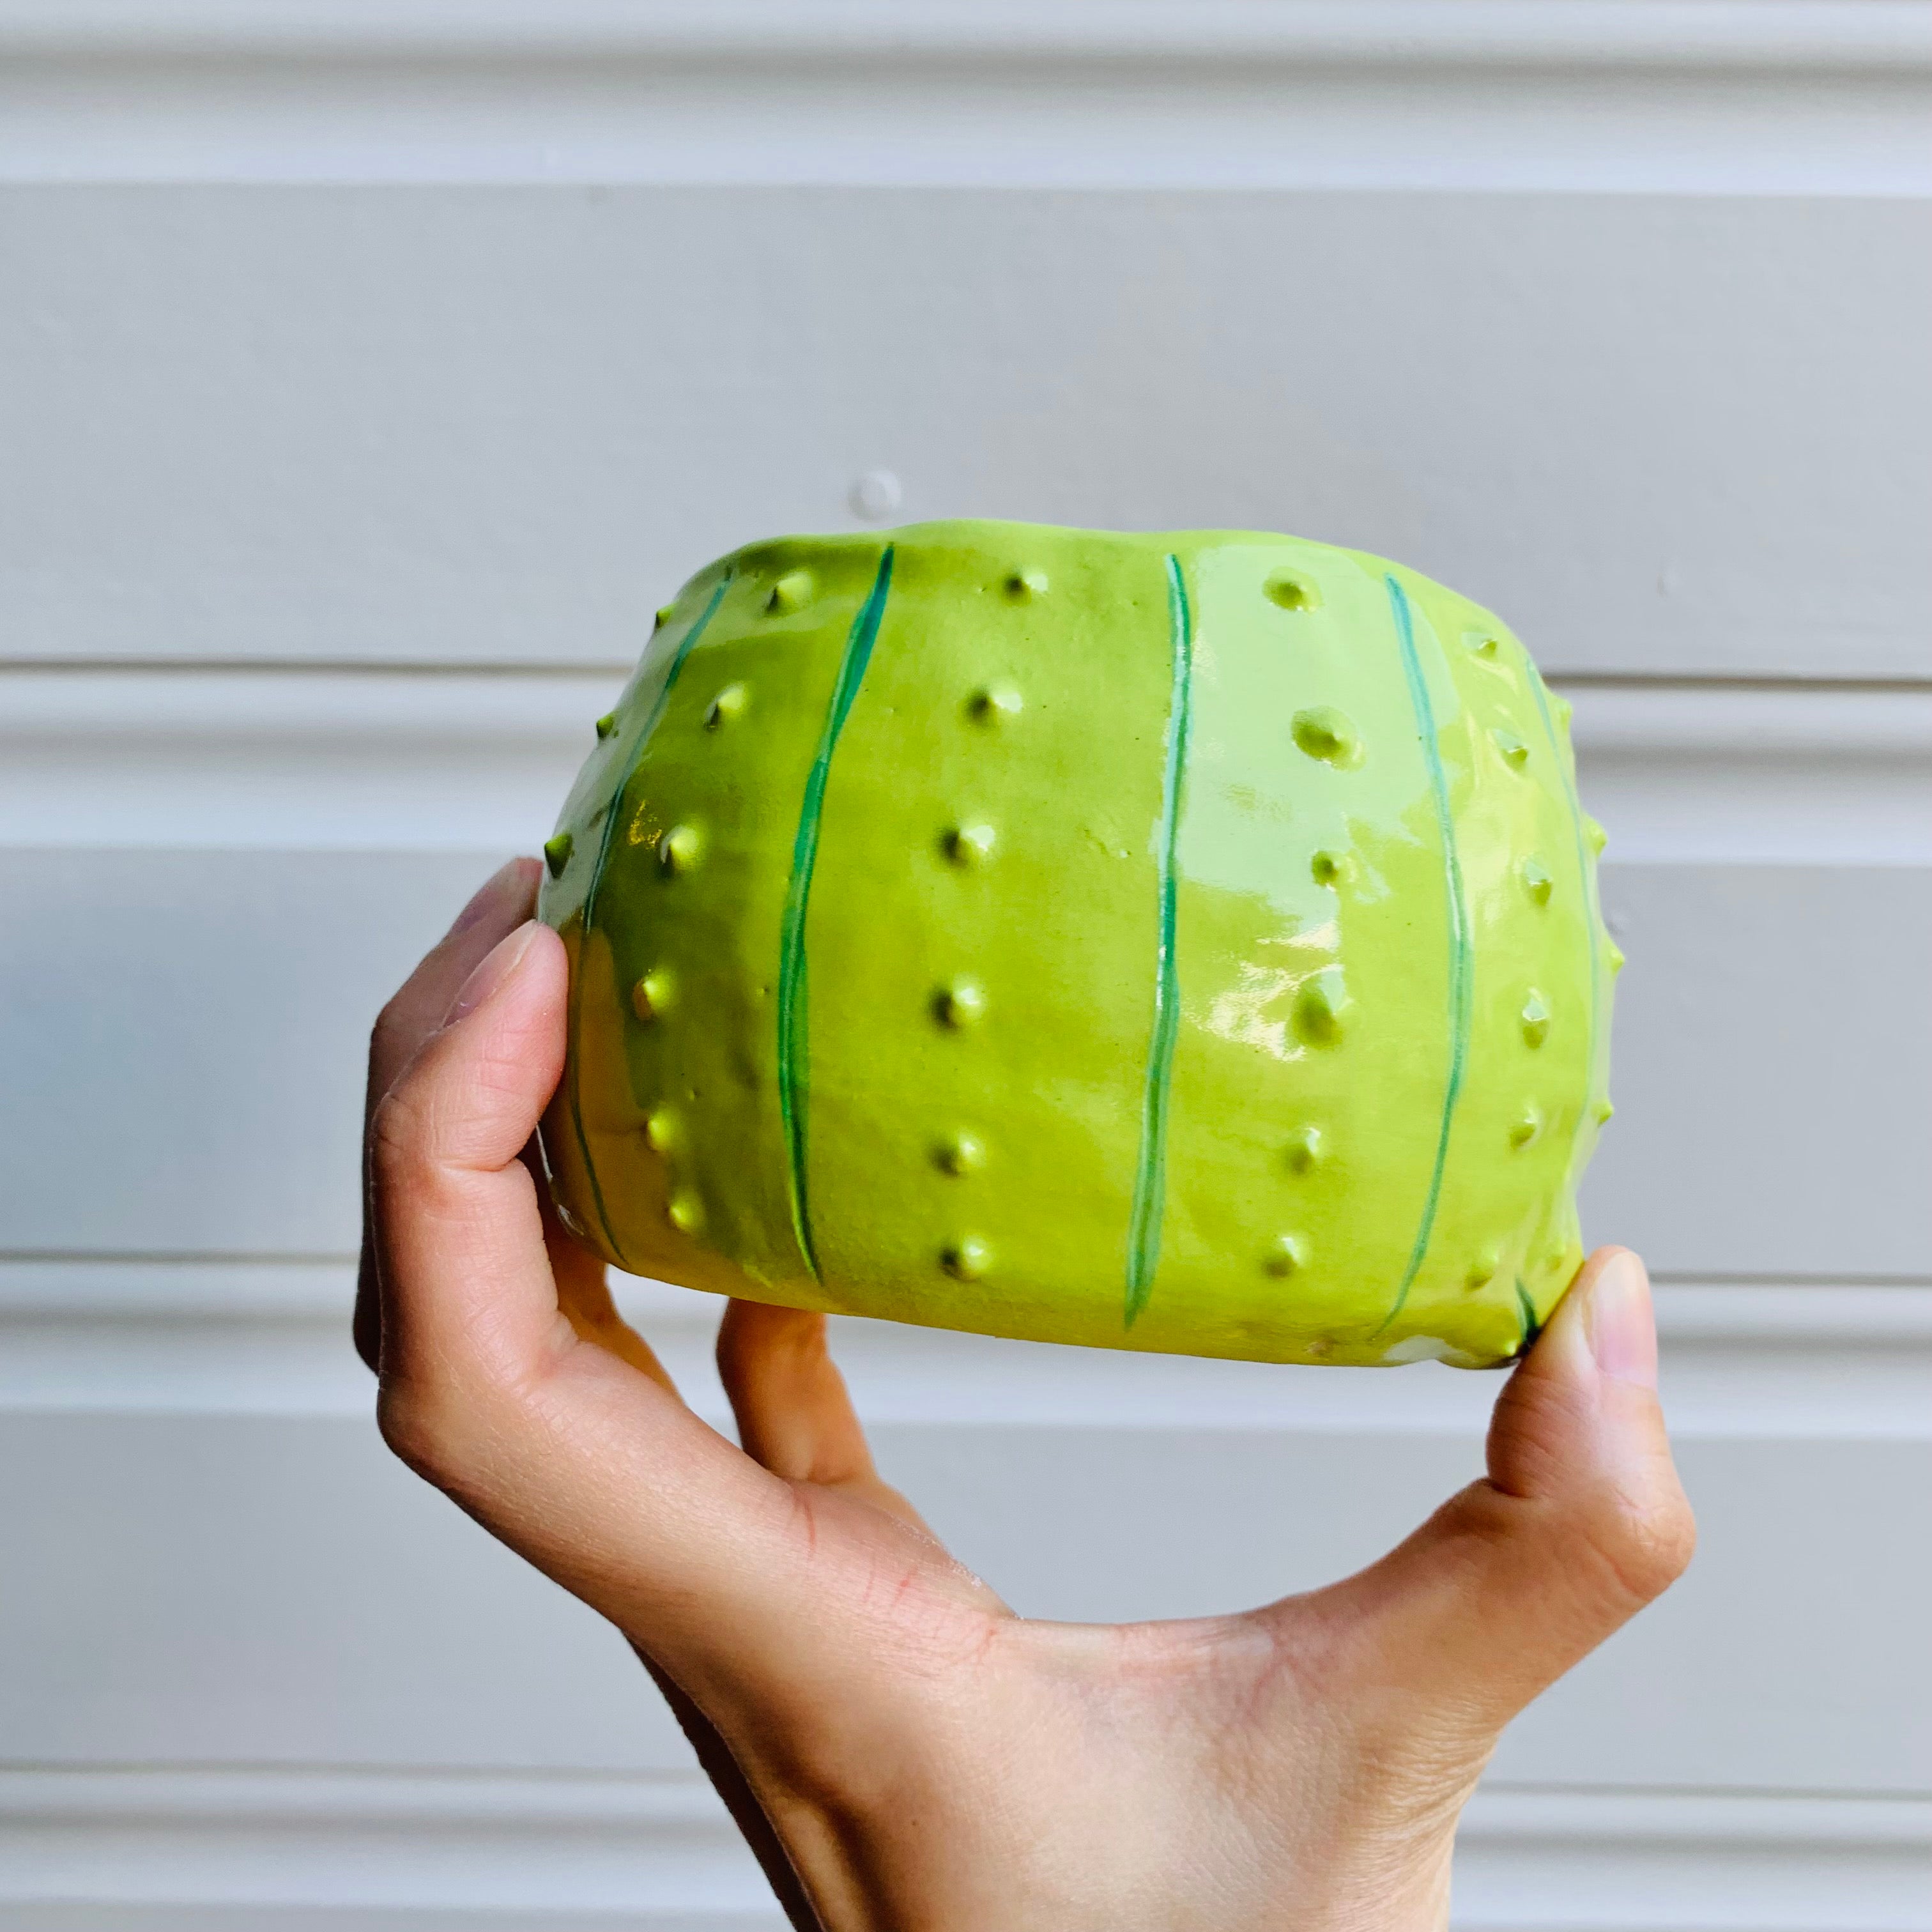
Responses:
[1182,942]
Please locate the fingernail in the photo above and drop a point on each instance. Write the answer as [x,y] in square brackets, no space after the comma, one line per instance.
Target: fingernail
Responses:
[1623,1331]
[495,889]
[496,965]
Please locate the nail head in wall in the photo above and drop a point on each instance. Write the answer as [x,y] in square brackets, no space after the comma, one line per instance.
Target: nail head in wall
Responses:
[874,495]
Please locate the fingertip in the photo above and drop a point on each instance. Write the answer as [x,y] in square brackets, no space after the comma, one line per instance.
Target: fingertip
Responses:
[492,972]
[1617,1314]
[471,1096]
[1579,1421]
[753,1331]
[1560,1412]
[508,895]
[1603,1319]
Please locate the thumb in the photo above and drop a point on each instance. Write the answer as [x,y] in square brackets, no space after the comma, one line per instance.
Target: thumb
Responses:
[1580,1523]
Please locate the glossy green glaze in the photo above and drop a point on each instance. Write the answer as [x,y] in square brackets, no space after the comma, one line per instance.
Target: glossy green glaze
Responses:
[1183,942]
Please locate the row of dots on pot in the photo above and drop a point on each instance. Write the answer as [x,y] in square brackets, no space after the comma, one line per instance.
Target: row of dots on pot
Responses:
[796,588]
[1319,1015]
[1320,731]
[681,849]
[1286,589]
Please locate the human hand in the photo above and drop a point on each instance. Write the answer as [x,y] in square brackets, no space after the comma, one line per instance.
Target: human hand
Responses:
[903,1753]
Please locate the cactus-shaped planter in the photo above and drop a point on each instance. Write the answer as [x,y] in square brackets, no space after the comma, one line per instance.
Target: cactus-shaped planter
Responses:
[1181,942]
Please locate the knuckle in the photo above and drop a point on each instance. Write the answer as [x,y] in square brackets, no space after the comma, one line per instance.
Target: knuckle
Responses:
[395,1031]
[1641,1544]
[399,1153]
[422,1428]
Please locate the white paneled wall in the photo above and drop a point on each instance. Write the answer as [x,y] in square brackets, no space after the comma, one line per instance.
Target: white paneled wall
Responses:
[455,426]
[368,376]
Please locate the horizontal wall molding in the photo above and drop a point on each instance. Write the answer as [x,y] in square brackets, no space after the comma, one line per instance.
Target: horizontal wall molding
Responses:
[1828,36]
[318,760]
[1775,95]
[1590,1861]
[304,1288]
[1843,1361]
[662,1848]
[1802,775]
[468,761]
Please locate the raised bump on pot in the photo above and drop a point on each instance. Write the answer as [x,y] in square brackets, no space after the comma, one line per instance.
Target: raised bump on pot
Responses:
[966,1259]
[970,845]
[681,848]
[653,994]
[791,590]
[962,1004]
[960,1154]
[1535,1018]
[1287,1255]
[1290,590]
[1321,1007]
[1323,733]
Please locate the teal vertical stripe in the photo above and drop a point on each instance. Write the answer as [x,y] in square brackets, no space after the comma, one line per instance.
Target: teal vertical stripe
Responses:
[1532,1327]
[1150,1174]
[1462,974]
[1584,885]
[794,1045]
[685,646]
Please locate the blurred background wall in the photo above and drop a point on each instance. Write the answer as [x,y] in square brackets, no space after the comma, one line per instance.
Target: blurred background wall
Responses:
[369,373]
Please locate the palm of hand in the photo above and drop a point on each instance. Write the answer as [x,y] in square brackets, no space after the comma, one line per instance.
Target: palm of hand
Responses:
[902,1751]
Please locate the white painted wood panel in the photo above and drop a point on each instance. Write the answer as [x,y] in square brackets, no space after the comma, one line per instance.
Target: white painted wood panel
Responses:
[1771,1061]
[1657,433]
[276,1590]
